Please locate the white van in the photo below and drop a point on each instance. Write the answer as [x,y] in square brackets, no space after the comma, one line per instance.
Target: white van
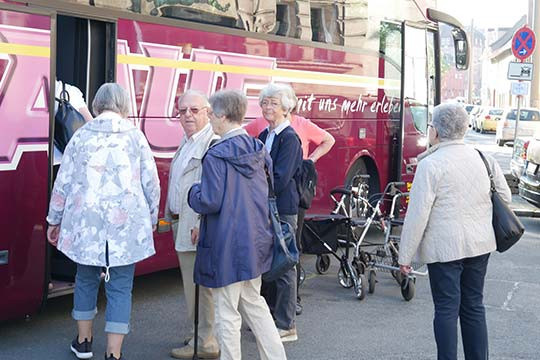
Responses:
[529,123]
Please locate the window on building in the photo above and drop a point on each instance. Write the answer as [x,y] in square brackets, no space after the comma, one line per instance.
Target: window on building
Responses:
[324,25]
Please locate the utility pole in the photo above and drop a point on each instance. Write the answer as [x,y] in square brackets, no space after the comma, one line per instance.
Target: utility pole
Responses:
[530,17]
[535,86]
[471,64]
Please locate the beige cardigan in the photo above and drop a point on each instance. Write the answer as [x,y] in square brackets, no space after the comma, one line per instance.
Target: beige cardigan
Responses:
[449,213]
[188,219]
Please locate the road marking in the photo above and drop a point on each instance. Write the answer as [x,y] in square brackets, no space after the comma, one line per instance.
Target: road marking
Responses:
[509,296]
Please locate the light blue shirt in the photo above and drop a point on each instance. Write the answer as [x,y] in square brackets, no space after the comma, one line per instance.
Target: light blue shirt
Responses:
[272,134]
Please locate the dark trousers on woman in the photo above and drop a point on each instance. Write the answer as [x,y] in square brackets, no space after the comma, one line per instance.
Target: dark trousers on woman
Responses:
[301,215]
[457,288]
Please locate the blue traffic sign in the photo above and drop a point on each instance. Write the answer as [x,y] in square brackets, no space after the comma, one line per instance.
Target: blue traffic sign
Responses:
[523,43]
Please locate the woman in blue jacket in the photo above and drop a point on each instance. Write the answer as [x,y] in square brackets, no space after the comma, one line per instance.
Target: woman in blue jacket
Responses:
[235,244]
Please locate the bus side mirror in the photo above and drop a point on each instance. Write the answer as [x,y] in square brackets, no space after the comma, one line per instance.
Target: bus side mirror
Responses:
[461,48]
[461,45]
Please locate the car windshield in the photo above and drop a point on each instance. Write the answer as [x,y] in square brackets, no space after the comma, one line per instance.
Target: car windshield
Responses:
[524,115]
[513,114]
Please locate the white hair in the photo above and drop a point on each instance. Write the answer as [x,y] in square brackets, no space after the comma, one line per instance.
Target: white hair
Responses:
[229,103]
[111,97]
[450,120]
[281,92]
[194,93]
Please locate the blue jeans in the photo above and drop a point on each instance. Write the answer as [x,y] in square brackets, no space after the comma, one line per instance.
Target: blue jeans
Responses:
[281,294]
[457,288]
[118,292]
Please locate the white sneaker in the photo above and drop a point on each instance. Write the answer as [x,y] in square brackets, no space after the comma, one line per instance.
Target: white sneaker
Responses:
[288,335]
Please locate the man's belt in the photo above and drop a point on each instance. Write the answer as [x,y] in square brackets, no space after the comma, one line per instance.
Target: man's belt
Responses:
[175,216]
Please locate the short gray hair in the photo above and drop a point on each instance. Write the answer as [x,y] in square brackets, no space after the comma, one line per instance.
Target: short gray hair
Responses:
[194,93]
[229,103]
[451,121]
[111,97]
[282,92]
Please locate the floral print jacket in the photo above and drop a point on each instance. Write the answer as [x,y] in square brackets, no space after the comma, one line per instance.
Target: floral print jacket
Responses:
[106,194]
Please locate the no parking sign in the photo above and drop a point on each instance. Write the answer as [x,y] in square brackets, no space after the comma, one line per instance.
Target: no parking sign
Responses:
[523,43]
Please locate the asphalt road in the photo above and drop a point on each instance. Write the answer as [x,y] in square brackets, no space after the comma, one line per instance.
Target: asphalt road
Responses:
[334,325]
[486,143]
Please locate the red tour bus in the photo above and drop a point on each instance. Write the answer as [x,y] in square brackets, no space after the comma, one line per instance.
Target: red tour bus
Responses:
[368,72]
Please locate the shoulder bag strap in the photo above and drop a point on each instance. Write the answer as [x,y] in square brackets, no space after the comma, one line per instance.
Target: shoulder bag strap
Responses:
[488,171]
[64,95]
[271,193]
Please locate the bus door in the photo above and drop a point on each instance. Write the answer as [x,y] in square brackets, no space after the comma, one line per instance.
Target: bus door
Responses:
[421,81]
[418,94]
[25,80]
[85,58]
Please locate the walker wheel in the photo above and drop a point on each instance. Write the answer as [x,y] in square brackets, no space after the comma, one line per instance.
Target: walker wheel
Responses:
[322,264]
[360,286]
[302,276]
[372,280]
[344,279]
[398,276]
[359,266]
[366,257]
[408,288]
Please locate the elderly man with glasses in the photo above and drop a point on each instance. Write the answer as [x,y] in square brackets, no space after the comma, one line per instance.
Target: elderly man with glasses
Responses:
[186,170]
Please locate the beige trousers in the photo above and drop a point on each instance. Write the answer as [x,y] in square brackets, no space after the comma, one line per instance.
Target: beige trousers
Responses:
[242,300]
[207,338]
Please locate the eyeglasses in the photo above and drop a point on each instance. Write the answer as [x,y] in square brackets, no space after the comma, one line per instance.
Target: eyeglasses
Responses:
[193,110]
[271,104]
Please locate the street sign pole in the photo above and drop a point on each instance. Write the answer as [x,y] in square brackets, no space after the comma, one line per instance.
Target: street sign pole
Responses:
[523,44]
[517,121]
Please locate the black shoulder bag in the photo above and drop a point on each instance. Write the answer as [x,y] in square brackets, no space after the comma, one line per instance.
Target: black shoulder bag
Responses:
[66,121]
[285,252]
[508,229]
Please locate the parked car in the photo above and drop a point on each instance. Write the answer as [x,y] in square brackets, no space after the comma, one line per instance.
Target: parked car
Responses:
[487,119]
[472,116]
[529,182]
[529,123]
[519,156]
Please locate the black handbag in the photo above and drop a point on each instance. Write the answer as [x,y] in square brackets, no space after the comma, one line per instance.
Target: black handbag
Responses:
[285,252]
[66,121]
[306,183]
[508,229]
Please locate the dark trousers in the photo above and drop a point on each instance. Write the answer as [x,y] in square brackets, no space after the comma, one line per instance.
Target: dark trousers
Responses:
[301,214]
[457,288]
[280,295]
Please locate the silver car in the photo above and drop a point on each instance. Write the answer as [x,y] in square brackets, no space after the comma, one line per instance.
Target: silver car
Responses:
[529,123]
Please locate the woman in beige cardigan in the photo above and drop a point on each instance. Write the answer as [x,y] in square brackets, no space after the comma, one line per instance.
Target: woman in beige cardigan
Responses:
[448,226]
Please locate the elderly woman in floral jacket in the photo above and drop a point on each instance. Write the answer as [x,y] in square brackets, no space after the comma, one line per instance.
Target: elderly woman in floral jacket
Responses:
[103,209]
